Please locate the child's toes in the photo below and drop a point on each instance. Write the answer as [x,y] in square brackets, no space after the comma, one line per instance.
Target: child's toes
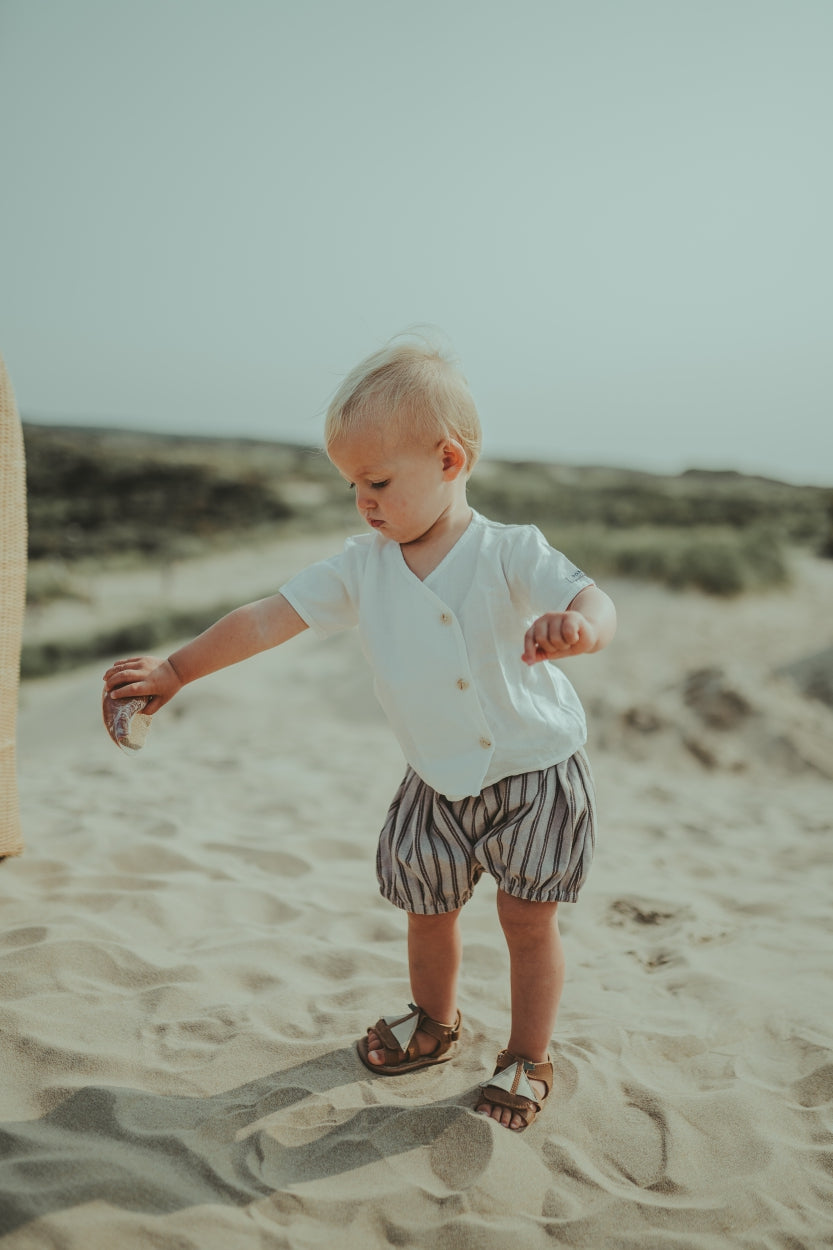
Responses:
[495,1112]
[504,1116]
[375,1053]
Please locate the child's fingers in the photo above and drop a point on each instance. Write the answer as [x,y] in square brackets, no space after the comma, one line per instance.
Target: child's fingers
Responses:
[570,629]
[133,670]
[532,653]
[541,641]
[552,636]
[126,690]
[119,666]
[117,679]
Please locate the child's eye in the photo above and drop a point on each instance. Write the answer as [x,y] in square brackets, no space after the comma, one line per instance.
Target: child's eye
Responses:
[379,485]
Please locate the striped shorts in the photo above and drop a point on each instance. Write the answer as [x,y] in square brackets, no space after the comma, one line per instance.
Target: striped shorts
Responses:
[534,833]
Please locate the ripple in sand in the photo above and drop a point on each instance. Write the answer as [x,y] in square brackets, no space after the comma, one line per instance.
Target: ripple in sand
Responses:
[815,1089]
[78,966]
[26,935]
[276,863]
[155,860]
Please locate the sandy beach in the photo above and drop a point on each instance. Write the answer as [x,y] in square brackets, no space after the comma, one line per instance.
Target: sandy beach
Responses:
[193,940]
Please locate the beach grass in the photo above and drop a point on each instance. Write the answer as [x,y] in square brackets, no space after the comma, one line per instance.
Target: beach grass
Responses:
[715,559]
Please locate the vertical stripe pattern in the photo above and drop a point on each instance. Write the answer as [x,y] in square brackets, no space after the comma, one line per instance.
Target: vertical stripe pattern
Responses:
[534,833]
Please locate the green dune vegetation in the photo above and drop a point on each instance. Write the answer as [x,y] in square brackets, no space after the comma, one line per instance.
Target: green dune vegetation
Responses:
[719,532]
[108,498]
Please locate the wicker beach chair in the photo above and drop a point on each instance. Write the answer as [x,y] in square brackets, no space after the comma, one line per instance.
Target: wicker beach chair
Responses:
[12,600]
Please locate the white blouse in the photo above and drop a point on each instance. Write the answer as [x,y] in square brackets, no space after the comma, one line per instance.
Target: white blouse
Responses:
[446,652]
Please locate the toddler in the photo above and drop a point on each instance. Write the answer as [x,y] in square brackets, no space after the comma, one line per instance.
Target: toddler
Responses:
[458,616]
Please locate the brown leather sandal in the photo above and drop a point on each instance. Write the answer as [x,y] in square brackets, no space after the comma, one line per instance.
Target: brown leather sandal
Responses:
[510,1087]
[397,1035]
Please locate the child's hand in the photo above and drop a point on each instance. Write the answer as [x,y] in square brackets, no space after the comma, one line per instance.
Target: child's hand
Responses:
[143,675]
[556,635]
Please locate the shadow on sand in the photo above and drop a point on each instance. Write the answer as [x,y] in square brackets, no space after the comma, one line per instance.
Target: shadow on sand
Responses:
[159,1153]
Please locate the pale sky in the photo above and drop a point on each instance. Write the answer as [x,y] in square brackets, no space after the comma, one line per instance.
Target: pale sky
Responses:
[617,211]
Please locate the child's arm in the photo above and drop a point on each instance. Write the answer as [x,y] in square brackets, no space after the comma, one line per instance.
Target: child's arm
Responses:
[244,632]
[588,625]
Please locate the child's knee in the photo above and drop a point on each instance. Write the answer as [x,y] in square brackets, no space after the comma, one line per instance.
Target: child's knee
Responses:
[520,915]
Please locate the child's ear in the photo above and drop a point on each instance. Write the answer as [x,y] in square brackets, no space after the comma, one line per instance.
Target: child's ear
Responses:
[454,459]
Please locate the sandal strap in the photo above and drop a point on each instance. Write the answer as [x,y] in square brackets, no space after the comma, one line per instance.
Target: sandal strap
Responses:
[444,1033]
[511,1078]
[397,1033]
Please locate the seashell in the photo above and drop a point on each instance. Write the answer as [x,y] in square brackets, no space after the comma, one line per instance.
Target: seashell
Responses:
[124,721]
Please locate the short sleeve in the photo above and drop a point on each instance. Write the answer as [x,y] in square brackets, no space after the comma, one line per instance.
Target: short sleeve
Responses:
[540,577]
[326,594]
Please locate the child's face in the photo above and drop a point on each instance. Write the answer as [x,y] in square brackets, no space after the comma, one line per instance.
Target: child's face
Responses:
[402,488]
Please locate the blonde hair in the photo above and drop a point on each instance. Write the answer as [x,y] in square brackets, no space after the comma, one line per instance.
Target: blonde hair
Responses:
[413,388]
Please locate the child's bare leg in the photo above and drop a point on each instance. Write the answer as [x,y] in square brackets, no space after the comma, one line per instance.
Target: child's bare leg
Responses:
[434,949]
[536,960]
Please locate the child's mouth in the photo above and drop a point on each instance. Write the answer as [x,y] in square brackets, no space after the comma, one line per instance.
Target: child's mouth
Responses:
[374,522]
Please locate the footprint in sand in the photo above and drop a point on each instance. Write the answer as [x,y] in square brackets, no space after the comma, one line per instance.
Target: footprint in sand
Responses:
[639,911]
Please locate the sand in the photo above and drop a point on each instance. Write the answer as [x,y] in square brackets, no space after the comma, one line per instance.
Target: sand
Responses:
[193,940]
